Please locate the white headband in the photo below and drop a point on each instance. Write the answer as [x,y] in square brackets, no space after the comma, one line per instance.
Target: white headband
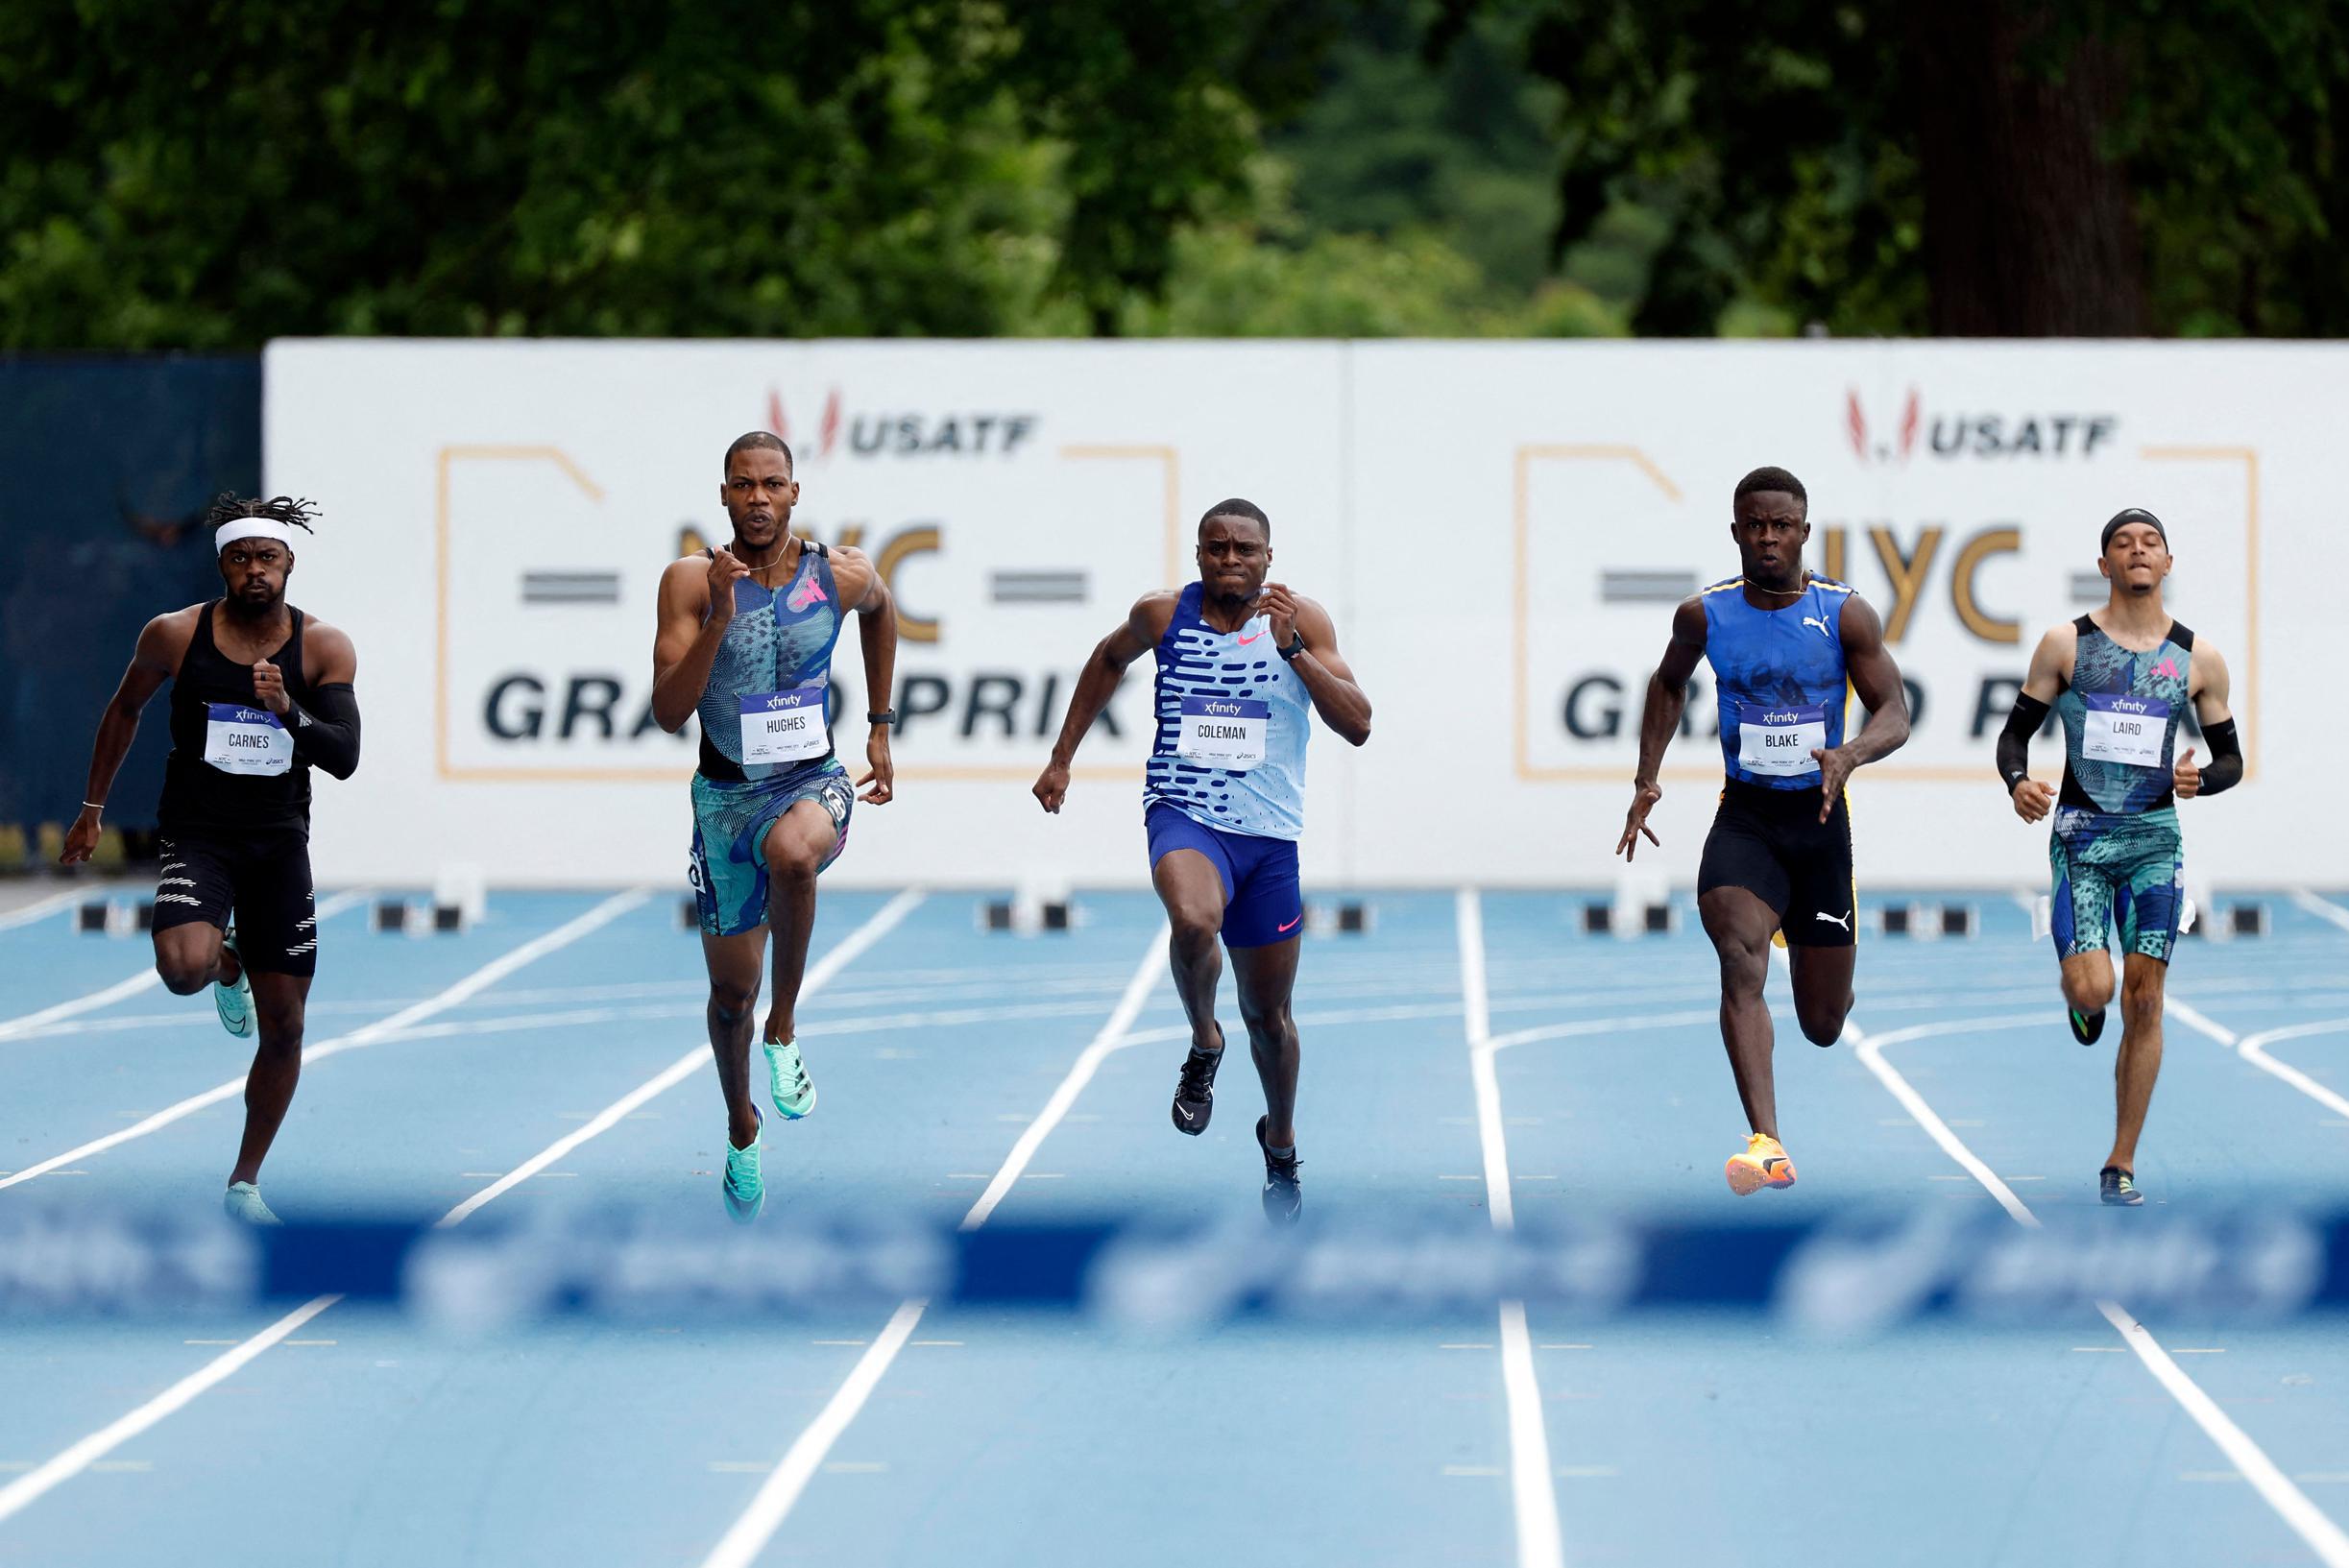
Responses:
[253,528]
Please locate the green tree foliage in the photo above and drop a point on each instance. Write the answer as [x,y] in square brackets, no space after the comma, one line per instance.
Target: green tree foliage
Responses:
[177,175]
[2019,166]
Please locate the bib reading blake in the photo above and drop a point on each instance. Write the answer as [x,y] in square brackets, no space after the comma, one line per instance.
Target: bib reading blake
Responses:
[784,726]
[241,739]
[1224,731]
[1778,741]
[2131,731]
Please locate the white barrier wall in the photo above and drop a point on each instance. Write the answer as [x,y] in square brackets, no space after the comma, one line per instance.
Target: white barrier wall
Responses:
[1501,531]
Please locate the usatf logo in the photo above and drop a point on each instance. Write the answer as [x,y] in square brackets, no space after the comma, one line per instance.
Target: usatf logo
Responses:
[1896,449]
[893,434]
[1950,436]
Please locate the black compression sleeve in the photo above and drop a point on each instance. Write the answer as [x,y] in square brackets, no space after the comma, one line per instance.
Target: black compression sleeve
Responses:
[2015,741]
[327,732]
[2225,768]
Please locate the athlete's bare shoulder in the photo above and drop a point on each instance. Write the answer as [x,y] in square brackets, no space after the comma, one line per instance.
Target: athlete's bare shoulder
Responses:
[853,571]
[162,642]
[685,582]
[1688,617]
[334,657]
[1154,613]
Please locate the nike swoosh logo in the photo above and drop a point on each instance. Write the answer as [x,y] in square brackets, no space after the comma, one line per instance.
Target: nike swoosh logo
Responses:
[1185,1115]
[1293,925]
[1246,641]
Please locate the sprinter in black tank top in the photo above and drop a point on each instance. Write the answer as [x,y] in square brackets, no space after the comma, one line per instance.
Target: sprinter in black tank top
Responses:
[260,694]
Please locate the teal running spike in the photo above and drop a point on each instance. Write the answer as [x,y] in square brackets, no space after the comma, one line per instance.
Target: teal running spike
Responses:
[788,1080]
[243,1203]
[744,1188]
[235,1003]
[2086,1027]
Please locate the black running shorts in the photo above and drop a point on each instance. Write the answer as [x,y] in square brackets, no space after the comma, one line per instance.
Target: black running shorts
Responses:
[1771,843]
[260,874]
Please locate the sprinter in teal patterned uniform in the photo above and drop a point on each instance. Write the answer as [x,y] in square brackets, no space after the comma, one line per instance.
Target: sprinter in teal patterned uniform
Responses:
[2122,680]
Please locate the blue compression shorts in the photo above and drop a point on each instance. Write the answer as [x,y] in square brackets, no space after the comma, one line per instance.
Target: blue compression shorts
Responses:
[1262,901]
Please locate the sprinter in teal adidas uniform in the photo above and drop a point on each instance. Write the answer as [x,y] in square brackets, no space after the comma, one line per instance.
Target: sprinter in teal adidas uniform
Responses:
[1787,647]
[2121,679]
[745,642]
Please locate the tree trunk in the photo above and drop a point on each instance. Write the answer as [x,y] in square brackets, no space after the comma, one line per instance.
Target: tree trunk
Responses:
[2029,232]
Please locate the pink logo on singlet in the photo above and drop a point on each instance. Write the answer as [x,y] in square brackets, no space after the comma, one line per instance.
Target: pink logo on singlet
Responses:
[2167,669]
[805,593]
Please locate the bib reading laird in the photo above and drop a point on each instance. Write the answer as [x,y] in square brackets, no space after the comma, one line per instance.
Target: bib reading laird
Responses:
[1232,722]
[1779,676]
[2121,713]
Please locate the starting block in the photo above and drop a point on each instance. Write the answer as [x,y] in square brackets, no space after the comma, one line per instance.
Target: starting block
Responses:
[1348,917]
[1928,921]
[1639,920]
[113,917]
[1025,917]
[415,917]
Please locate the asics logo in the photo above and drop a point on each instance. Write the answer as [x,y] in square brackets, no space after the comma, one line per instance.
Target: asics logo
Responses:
[1845,920]
[1814,621]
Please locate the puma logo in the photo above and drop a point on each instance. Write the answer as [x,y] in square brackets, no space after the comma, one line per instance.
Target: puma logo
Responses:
[1814,621]
[1845,920]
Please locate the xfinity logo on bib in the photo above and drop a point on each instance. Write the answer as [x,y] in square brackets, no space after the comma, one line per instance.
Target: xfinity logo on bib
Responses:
[1957,435]
[779,701]
[2126,706]
[251,716]
[894,433]
[1781,718]
[1221,708]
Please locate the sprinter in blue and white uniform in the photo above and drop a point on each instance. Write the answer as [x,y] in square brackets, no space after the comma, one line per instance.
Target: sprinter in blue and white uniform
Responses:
[1243,664]
[745,639]
[1782,644]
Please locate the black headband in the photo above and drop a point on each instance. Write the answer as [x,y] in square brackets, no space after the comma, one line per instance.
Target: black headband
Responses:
[2123,517]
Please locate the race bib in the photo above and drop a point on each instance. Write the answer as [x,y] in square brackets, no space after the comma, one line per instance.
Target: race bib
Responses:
[784,726]
[1224,731]
[1778,742]
[2125,730]
[241,739]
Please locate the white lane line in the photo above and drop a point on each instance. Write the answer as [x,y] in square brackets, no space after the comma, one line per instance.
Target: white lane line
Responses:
[2321,909]
[1533,1491]
[39,911]
[2252,1049]
[1111,1039]
[133,984]
[480,979]
[21,1492]
[2323,1536]
[818,976]
[82,1454]
[776,1496]
[780,1491]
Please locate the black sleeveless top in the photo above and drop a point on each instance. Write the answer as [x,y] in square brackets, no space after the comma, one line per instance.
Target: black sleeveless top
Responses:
[196,794]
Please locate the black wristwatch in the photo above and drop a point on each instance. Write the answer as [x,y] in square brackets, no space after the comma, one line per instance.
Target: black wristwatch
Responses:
[889,717]
[1295,646]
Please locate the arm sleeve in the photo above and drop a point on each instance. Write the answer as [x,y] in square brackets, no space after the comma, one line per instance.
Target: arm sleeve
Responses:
[2225,769]
[326,731]
[2015,741]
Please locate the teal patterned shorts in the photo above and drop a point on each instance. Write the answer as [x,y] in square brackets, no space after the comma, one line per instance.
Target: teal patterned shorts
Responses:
[731,821]
[2113,870]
